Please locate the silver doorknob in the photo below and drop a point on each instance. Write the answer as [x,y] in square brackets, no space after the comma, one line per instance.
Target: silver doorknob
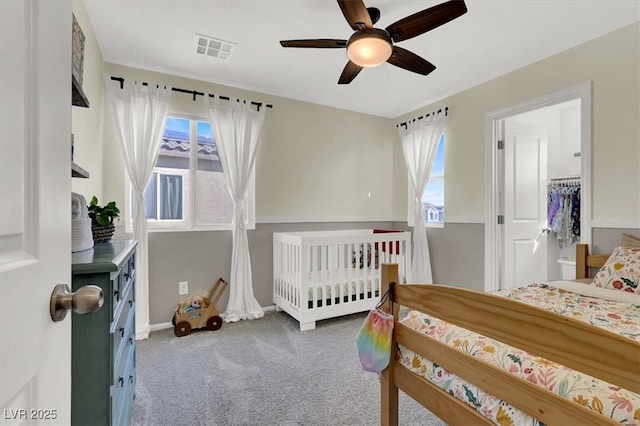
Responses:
[84,301]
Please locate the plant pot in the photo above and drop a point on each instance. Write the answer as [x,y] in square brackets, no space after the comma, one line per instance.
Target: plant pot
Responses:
[102,234]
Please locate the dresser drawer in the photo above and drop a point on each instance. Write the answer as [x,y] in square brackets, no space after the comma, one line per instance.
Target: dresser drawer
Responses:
[122,390]
[122,334]
[120,363]
[120,285]
[117,285]
[130,268]
[126,301]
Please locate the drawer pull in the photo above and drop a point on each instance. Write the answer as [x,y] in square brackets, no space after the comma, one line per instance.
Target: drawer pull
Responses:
[126,276]
[131,340]
[116,294]
[130,303]
[121,381]
[131,379]
[121,331]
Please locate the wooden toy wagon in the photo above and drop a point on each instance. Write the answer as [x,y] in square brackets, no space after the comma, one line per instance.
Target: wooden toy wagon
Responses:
[185,318]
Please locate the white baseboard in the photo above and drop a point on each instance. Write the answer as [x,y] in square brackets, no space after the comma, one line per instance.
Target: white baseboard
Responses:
[166,325]
[161,326]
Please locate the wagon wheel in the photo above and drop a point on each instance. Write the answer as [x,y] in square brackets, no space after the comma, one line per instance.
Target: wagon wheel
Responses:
[182,328]
[173,320]
[214,323]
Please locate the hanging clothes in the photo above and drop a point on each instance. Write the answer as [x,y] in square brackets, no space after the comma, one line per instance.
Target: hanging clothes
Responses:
[563,213]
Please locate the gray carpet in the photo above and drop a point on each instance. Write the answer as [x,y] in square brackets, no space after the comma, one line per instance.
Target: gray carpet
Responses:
[261,372]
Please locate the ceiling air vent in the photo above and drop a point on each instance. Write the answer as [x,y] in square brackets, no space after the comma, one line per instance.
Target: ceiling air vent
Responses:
[214,47]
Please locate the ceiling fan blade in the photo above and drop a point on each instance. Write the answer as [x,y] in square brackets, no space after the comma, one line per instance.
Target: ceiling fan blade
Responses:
[356,14]
[428,19]
[320,43]
[349,72]
[410,61]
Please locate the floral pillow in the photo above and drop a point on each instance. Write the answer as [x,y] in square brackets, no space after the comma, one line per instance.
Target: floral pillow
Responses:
[621,271]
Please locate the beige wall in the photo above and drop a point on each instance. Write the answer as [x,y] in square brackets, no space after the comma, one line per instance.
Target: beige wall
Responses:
[87,123]
[612,64]
[314,162]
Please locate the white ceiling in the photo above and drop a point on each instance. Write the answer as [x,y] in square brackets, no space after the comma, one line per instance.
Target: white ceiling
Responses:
[493,38]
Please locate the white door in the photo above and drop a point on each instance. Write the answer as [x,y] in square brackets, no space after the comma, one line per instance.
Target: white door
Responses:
[525,204]
[35,221]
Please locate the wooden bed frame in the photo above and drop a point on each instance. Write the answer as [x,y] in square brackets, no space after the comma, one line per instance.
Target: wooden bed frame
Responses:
[558,338]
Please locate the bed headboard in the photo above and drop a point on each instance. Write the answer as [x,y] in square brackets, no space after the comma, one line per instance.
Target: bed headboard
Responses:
[585,261]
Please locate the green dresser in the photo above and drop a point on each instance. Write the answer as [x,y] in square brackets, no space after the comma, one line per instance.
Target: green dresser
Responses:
[103,356]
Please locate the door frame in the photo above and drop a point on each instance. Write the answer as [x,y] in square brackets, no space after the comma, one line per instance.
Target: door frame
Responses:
[494,174]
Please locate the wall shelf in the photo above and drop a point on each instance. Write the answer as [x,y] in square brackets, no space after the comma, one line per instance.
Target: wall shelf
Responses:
[78,98]
[77,171]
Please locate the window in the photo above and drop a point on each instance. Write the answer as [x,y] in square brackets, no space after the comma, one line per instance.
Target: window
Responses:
[187,190]
[433,196]
[164,195]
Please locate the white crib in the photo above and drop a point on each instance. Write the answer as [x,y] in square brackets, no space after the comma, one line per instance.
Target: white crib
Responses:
[325,274]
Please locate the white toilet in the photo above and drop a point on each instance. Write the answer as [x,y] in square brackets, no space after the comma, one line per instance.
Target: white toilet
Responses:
[567,269]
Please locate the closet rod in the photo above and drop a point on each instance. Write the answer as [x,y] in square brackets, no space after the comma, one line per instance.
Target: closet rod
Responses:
[573,181]
[404,123]
[565,178]
[195,93]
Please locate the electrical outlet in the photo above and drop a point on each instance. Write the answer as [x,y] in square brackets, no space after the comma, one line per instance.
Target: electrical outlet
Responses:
[183,288]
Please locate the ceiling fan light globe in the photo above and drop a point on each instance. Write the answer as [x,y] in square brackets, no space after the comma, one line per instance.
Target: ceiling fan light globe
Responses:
[369,50]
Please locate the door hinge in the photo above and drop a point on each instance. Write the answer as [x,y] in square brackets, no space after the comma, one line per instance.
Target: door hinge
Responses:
[500,144]
[500,219]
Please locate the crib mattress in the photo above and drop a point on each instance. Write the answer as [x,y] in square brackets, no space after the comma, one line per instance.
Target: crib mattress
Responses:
[619,317]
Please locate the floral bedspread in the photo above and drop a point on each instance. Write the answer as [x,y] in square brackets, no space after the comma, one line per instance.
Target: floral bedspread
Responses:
[611,401]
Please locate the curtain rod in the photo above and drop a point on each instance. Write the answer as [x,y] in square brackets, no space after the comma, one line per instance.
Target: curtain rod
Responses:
[194,93]
[404,123]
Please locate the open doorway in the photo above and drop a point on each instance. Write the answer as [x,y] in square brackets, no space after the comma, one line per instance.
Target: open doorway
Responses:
[532,147]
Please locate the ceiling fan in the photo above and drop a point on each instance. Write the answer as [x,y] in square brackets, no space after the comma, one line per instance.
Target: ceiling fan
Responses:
[370,47]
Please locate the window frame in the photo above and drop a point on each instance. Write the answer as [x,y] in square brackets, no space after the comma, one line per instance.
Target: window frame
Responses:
[190,179]
[436,178]
[186,199]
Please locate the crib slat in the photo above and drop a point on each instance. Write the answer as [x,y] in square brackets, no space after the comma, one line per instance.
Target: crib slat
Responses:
[294,293]
[289,272]
[356,272]
[277,273]
[285,272]
[311,278]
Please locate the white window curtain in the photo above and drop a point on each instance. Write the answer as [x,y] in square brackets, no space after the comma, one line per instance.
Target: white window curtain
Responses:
[139,114]
[419,145]
[236,127]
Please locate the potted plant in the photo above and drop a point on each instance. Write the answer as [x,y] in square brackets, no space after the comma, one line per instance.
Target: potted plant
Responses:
[102,218]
